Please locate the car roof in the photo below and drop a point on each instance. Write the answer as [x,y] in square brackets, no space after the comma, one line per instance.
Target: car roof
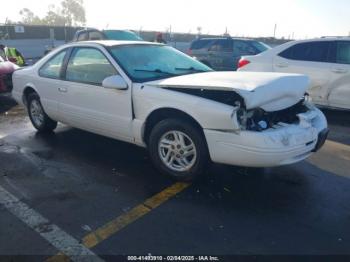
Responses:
[328,38]
[336,37]
[113,43]
[224,38]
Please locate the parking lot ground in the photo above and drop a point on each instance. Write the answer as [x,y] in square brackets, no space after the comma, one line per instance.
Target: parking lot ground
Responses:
[88,185]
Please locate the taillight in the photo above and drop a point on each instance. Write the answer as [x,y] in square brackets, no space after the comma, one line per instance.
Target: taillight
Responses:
[243,62]
[189,52]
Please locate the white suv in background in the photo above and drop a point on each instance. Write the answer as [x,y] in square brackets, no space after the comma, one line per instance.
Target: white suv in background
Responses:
[325,60]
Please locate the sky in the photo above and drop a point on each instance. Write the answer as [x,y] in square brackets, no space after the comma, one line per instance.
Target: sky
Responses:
[249,18]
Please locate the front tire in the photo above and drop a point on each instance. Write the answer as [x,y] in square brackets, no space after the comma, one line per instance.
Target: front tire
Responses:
[178,149]
[40,120]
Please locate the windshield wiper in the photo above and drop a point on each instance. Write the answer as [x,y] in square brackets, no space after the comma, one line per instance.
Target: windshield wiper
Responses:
[154,71]
[190,69]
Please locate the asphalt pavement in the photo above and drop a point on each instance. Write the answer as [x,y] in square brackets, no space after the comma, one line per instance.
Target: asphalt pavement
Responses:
[105,197]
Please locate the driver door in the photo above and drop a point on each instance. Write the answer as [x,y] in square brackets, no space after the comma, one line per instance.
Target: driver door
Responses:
[85,104]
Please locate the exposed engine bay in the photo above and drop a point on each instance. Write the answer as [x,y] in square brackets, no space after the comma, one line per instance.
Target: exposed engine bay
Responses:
[226,97]
[259,120]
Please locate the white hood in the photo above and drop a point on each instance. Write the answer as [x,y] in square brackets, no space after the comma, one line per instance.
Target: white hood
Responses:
[270,91]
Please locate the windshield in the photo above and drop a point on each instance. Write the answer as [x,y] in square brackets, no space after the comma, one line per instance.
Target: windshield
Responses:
[145,63]
[260,46]
[121,35]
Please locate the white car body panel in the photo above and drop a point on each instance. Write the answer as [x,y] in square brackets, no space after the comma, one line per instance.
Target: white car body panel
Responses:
[93,108]
[123,114]
[329,82]
[339,87]
[284,90]
[283,145]
[208,113]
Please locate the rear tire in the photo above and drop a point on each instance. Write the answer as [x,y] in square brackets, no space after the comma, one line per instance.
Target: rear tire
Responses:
[178,149]
[40,120]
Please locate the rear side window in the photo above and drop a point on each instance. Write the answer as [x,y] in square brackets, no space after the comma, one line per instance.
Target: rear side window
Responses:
[312,51]
[343,52]
[88,65]
[223,45]
[199,44]
[52,68]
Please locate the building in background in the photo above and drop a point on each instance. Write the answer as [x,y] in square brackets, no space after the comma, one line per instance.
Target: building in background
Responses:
[34,41]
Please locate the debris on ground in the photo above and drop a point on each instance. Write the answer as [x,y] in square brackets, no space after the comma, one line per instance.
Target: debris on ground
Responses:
[86,228]
[227,190]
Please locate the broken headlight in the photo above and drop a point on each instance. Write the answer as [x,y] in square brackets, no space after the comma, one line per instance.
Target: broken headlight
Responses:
[254,120]
[260,120]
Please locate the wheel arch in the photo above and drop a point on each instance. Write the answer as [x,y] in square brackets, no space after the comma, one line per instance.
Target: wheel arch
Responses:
[160,114]
[28,89]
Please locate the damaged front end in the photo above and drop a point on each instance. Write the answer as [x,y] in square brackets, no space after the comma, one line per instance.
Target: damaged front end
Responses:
[259,120]
[266,139]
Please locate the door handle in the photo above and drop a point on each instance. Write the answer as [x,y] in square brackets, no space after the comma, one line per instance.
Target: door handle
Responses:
[282,65]
[62,89]
[339,70]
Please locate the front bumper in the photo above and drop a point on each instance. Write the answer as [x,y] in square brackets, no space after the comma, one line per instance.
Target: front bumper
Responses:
[285,144]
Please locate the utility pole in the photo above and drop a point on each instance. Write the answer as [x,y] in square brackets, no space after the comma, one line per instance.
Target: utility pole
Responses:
[170,33]
[226,32]
[7,36]
[274,31]
[140,30]
[199,30]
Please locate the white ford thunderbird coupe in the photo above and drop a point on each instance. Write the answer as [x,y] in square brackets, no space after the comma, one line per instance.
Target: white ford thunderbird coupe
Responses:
[186,114]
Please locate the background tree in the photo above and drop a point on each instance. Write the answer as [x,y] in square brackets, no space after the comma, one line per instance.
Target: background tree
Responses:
[69,13]
[28,17]
[74,12]
[54,17]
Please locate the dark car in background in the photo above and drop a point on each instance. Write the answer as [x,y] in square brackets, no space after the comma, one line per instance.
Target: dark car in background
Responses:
[94,34]
[223,53]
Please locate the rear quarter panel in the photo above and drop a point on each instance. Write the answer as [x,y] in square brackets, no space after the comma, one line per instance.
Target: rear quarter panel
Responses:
[258,63]
[21,79]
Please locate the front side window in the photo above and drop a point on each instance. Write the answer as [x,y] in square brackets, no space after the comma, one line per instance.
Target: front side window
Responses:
[312,51]
[151,62]
[95,35]
[260,46]
[222,45]
[52,68]
[83,36]
[241,48]
[343,52]
[88,65]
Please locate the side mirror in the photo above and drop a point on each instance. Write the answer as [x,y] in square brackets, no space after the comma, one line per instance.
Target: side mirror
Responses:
[115,82]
